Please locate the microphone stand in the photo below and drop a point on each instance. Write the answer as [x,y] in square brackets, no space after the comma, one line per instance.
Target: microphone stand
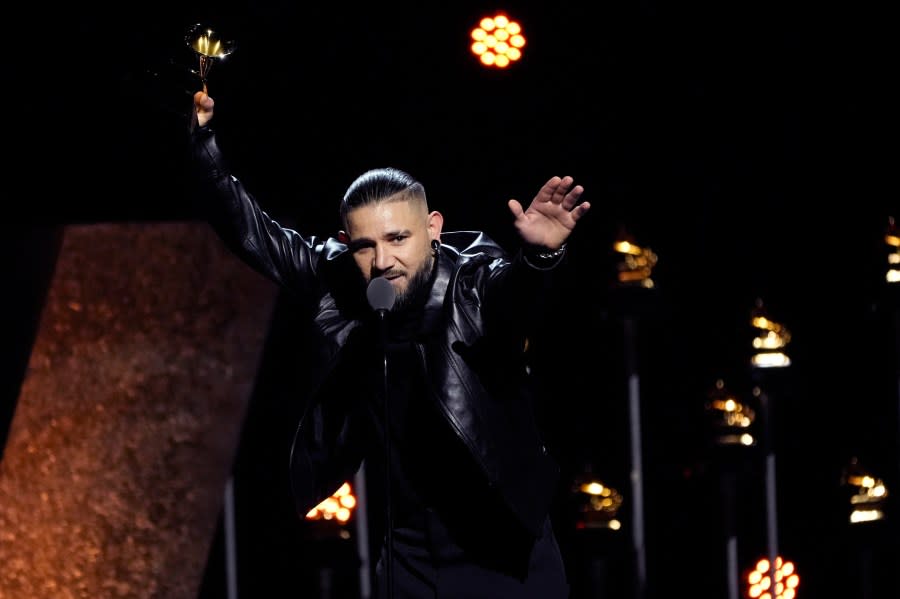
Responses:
[389,524]
[381,296]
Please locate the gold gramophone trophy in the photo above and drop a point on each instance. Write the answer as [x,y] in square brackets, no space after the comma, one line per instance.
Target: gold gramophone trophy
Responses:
[209,46]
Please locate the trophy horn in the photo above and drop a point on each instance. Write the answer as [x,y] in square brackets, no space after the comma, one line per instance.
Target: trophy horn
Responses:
[209,46]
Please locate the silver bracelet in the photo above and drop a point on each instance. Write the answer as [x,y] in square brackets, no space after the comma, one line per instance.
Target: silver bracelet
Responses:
[551,255]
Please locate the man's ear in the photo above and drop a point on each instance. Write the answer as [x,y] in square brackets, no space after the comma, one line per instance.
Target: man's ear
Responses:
[343,237]
[435,224]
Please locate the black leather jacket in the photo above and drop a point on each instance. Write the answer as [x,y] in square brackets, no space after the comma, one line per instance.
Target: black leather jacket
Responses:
[475,362]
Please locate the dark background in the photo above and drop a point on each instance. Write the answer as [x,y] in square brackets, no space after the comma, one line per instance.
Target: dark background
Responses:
[751,146]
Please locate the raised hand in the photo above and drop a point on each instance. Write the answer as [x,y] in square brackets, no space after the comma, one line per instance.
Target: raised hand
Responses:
[203,106]
[552,214]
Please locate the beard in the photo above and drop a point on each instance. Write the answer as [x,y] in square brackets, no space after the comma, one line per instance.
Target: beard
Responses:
[417,290]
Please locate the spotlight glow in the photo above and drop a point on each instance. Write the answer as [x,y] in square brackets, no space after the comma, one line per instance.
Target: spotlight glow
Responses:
[759,582]
[497,41]
[337,507]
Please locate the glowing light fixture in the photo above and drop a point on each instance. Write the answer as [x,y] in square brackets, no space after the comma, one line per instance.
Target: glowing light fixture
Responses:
[636,264]
[731,418]
[598,504]
[759,581]
[869,495]
[770,340]
[497,41]
[338,507]
[892,239]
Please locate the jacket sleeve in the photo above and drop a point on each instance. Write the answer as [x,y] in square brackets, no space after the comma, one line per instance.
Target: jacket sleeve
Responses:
[516,294]
[279,253]
[327,451]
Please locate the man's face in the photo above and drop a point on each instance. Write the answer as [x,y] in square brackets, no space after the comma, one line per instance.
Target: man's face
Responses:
[393,239]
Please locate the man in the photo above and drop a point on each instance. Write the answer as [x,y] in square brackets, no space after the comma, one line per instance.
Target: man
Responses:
[432,389]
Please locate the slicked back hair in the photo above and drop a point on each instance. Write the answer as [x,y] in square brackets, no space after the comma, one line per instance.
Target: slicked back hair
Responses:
[380,185]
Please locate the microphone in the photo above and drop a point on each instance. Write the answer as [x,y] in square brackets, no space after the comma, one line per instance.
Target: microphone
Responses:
[381,294]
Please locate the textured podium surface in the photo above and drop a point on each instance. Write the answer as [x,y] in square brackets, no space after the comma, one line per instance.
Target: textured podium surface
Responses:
[129,414]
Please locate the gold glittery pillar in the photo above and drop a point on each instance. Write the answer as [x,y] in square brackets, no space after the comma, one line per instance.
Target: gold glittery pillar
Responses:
[129,414]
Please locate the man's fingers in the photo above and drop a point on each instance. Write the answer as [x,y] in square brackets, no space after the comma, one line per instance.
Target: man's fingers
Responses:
[516,208]
[561,187]
[572,197]
[580,210]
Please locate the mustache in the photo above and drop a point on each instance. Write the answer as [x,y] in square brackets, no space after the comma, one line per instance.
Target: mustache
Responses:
[390,273]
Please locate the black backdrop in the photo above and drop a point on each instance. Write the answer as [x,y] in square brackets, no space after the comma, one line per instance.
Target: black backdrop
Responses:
[748,145]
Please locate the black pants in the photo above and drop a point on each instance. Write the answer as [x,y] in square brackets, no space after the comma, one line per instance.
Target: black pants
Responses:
[430,563]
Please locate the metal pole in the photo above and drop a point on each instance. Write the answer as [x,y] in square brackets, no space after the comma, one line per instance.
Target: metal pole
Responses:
[728,499]
[634,416]
[362,533]
[897,370]
[230,541]
[771,495]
